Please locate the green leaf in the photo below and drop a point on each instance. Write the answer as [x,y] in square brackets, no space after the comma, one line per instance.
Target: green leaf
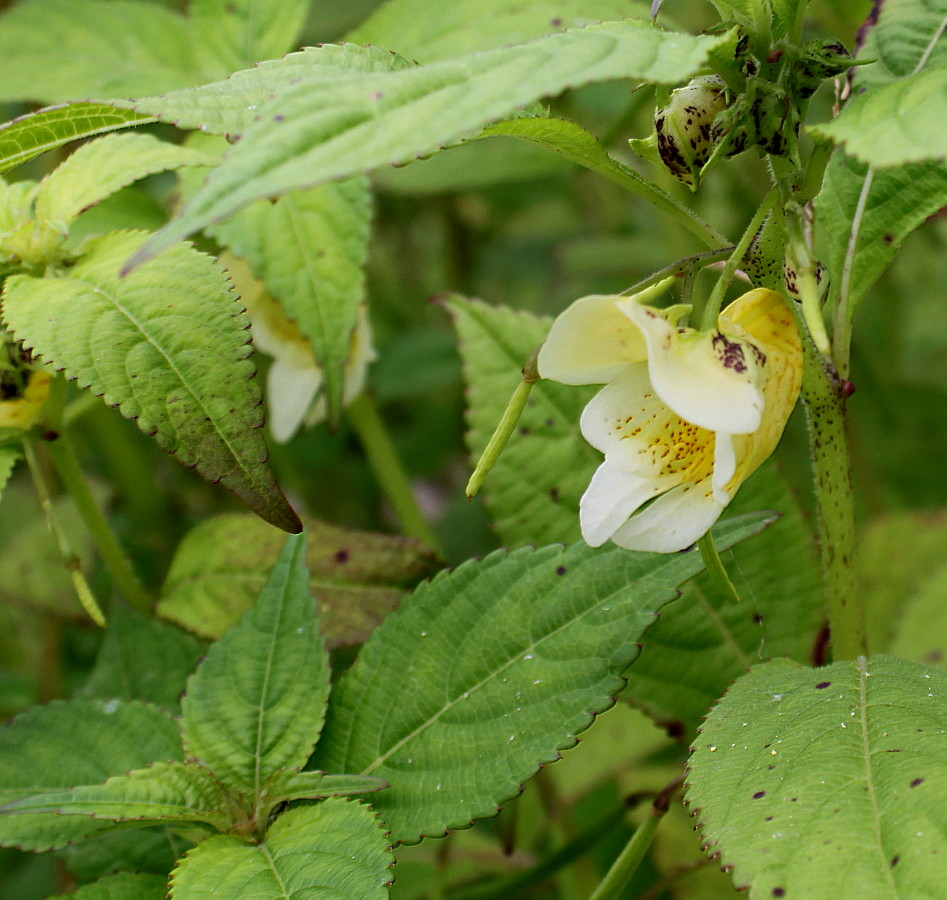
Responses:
[153,848]
[533,491]
[781,13]
[163,792]
[906,36]
[895,124]
[315,785]
[28,136]
[123,886]
[69,743]
[827,782]
[357,577]
[485,673]
[322,131]
[920,628]
[234,34]
[466,26]
[229,107]
[102,167]
[863,215]
[335,849]
[142,343]
[9,456]
[320,291]
[55,50]
[257,702]
[704,641]
[143,658]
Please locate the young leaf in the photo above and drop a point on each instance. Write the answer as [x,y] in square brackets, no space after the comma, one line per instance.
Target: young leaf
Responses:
[162,792]
[487,672]
[319,290]
[100,168]
[356,577]
[466,26]
[896,124]
[827,782]
[863,216]
[541,506]
[69,743]
[310,133]
[55,50]
[315,785]
[780,12]
[234,35]
[143,343]
[704,641]
[257,702]
[335,849]
[26,137]
[143,659]
[122,886]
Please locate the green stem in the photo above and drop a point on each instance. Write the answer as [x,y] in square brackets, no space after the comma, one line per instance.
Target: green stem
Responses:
[373,434]
[825,415]
[67,466]
[712,309]
[684,266]
[715,569]
[504,430]
[624,868]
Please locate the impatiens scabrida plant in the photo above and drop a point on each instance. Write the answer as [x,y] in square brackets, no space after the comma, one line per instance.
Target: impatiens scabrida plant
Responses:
[218,228]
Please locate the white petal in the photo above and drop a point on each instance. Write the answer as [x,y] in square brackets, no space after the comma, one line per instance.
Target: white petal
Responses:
[673,522]
[725,465]
[289,393]
[590,343]
[611,416]
[708,378]
[611,497]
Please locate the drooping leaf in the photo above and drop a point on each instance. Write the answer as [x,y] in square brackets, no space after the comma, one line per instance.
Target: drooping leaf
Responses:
[229,107]
[335,848]
[487,672]
[102,167]
[896,124]
[69,743]
[533,491]
[315,785]
[143,658]
[257,702]
[165,791]
[309,249]
[465,26]
[704,641]
[356,577]
[315,132]
[827,782]
[863,216]
[142,343]
[123,886]
[26,137]
[151,848]
[906,35]
[234,35]
[55,50]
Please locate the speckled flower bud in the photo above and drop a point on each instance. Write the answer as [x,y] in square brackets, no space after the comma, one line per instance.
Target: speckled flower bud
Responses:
[817,61]
[684,127]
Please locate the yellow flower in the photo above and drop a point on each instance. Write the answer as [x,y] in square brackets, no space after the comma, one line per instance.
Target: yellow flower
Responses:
[295,380]
[21,411]
[685,416]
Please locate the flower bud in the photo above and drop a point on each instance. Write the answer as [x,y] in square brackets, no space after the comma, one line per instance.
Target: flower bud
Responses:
[684,127]
[817,61]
